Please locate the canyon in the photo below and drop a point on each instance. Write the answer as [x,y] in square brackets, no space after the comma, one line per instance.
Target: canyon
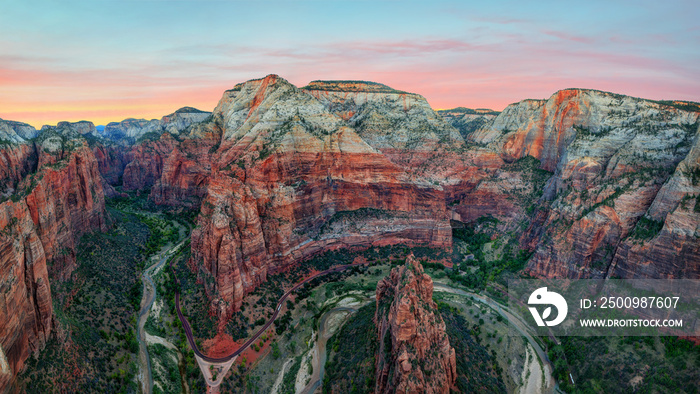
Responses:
[591,184]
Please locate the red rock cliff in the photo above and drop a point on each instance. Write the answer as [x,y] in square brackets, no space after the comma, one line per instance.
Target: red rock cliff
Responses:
[284,176]
[414,355]
[41,223]
[619,199]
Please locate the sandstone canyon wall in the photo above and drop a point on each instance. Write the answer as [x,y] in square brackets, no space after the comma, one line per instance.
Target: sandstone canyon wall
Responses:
[414,355]
[284,175]
[52,195]
[274,169]
[621,189]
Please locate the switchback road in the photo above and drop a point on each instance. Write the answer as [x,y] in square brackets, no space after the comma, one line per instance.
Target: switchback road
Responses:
[188,329]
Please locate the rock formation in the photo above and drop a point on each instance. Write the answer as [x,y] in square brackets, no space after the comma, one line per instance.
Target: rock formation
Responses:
[82,127]
[50,202]
[593,184]
[612,159]
[16,132]
[134,129]
[286,173]
[468,120]
[414,355]
[276,169]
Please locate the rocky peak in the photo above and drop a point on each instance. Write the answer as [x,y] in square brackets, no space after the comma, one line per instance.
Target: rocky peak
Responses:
[415,355]
[468,120]
[81,127]
[16,132]
[268,115]
[189,110]
[386,118]
[351,86]
[459,111]
[129,128]
[545,129]
[132,130]
[181,119]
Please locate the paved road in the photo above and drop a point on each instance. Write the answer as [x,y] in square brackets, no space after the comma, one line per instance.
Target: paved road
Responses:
[188,329]
[513,318]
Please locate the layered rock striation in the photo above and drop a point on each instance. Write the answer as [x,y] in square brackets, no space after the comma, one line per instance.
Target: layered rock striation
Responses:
[619,166]
[468,120]
[131,130]
[592,184]
[56,198]
[280,173]
[414,355]
[285,177]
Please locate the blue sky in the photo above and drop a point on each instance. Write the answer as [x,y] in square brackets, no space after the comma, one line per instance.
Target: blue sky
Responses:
[107,60]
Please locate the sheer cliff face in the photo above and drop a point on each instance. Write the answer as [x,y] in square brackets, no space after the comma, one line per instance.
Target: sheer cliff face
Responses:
[594,184]
[53,201]
[620,201]
[285,173]
[414,355]
[400,125]
[274,169]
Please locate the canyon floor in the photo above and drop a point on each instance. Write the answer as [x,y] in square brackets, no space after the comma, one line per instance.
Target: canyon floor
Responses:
[320,325]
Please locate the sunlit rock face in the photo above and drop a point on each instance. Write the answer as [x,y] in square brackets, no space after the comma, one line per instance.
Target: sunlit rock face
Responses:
[53,193]
[593,184]
[131,130]
[415,355]
[283,180]
[620,201]
[275,169]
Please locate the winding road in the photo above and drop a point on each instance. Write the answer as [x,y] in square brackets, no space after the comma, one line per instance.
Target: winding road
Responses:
[188,328]
[520,326]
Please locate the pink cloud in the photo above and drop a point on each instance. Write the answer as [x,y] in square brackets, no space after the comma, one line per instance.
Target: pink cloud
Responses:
[569,37]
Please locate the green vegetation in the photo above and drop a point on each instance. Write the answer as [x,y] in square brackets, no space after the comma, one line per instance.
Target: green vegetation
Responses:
[533,177]
[467,111]
[162,232]
[351,355]
[290,377]
[148,137]
[582,131]
[154,328]
[693,175]
[477,370]
[96,309]
[682,105]
[478,272]
[608,201]
[616,365]
[193,300]
[646,228]
[351,218]
[166,373]
[369,86]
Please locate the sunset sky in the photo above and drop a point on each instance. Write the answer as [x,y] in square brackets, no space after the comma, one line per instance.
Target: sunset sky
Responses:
[104,60]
